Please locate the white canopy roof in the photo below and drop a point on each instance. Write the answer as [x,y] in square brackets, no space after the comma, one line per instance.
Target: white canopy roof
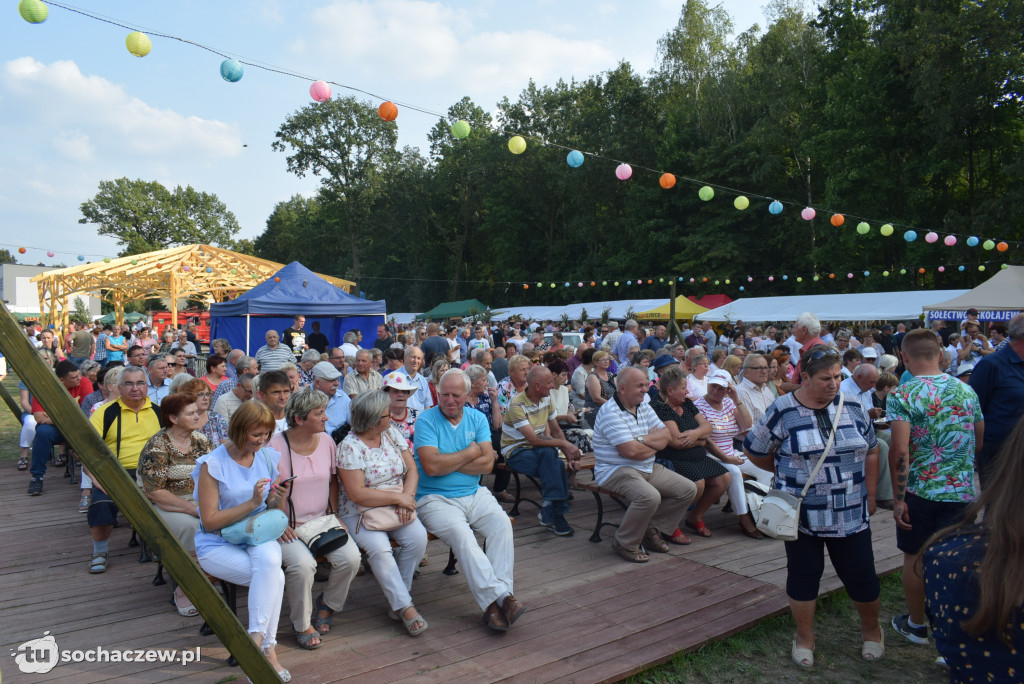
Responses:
[999,298]
[402,318]
[865,306]
[575,311]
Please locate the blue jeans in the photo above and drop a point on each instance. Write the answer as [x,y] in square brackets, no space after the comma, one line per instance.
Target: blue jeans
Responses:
[544,463]
[42,446]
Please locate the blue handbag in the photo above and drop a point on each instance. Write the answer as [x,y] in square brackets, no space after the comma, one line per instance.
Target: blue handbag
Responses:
[259,528]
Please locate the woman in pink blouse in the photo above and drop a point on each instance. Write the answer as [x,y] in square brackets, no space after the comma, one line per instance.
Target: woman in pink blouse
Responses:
[308,453]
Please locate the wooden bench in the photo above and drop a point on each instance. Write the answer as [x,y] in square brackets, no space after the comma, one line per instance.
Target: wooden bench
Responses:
[586,463]
[597,491]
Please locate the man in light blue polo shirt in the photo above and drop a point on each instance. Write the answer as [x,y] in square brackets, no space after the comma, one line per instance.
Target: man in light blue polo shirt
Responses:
[420,399]
[453,449]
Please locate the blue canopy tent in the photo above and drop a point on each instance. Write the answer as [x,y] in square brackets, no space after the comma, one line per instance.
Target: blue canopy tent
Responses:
[271,305]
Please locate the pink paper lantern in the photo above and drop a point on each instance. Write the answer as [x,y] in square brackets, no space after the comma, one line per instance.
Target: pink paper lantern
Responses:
[320,91]
[849,275]
[932,236]
[942,269]
[49,254]
[950,240]
[771,279]
[750,279]
[807,214]
[623,172]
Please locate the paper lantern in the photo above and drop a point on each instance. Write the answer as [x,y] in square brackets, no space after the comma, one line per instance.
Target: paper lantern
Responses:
[785,277]
[727,281]
[867,273]
[604,282]
[716,282]
[135,262]
[750,279]
[691,280]
[771,279]
[616,283]
[863,228]
[592,283]
[886,229]
[49,254]
[234,271]
[961,268]
[1002,247]
[138,43]
[579,284]
[320,91]
[567,284]
[277,279]
[209,270]
[849,275]
[667,181]
[903,271]
[186,268]
[159,265]
[623,171]
[885,274]
[799,279]
[807,214]
[574,159]
[460,129]
[81,257]
[704,280]
[741,288]
[942,269]
[525,286]
[831,276]
[540,284]
[22,250]
[775,208]
[33,11]
[837,220]
[231,70]
[661,280]
[910,236]
[650,282]
[988,244]
[516,144]
[387,111]
[931,237]
[552,284]
[1004,266]
[816,278]
[706,193]
[106,260]
[950,240]
[981,268]
[741,203]
[920,270]
[972,241]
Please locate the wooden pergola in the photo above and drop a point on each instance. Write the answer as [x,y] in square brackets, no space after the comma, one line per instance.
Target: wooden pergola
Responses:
[209,274]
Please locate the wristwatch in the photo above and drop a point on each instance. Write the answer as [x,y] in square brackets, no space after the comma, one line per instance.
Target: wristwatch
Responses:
[640,439]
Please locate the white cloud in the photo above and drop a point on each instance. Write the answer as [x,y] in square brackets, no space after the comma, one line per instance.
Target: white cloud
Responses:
[74,145]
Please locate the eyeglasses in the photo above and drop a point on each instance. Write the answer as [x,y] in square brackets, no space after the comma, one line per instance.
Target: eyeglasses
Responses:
[386,415]
[140,385]
[205,394]
[757,368]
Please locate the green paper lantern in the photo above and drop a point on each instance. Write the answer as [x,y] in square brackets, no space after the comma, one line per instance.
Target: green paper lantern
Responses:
[604,282]
[552,284]
[903,271]
[616,283]
[885,274]
[716,282]
[982,267]
[33,11]
[516,144]
[799,279]
[741,203]
[706,193]
[106,260]
[661,280]
[138,43]
[726,281]
[135,262]
[460,129]
[1004,267]
[988,244]
[886,229]
[863,228]
[816,279]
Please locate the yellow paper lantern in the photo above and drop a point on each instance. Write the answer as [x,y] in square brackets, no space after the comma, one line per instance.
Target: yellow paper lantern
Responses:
[516,144]
[138,43]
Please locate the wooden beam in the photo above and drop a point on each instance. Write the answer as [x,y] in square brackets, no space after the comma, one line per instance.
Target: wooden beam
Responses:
[105,469]
[11,403]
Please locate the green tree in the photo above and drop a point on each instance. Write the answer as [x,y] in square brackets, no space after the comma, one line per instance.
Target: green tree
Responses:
[6,257]
[145,216]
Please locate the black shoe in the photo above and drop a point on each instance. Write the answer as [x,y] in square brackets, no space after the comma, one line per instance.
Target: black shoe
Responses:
[35,487]
[562,527]
[918,635]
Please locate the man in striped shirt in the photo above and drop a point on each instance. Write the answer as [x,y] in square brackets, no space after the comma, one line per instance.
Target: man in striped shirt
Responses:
[273,354]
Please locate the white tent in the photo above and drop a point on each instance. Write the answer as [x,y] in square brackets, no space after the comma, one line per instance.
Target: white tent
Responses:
[865,306]
[402,318]
[999,298]
[575,311]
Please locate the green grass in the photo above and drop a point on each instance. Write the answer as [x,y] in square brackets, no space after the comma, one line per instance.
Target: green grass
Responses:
[762,652]
[10,426]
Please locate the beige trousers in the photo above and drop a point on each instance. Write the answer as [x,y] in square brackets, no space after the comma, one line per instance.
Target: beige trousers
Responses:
[657,499]
[299,568]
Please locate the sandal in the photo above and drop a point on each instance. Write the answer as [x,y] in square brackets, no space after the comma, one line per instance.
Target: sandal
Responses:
[98,564]
[400,615]
[184,605]
[677,538]
[637,556]
[322,624]
[504,497]
[654,542]
[873,650]
[751,532]
[804,657]
[305,640]
[699,527]
[22,463]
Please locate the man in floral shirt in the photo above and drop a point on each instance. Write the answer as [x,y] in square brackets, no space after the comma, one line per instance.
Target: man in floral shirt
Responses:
[936,425]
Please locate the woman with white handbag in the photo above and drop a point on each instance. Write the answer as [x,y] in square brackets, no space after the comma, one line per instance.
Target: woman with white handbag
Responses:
[307,452]
[379,479]
[823,453]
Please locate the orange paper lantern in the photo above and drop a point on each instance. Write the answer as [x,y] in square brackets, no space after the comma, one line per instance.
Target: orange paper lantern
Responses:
[832,276]
[387,111]
[667,181]
[837,220]
[920,270]
[1002,246]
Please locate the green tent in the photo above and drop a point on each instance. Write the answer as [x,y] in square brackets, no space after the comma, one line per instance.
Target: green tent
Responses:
[131,318]
[460,309]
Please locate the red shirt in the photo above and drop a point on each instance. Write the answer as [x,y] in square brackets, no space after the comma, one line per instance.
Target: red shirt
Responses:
[84,389]
[803,350]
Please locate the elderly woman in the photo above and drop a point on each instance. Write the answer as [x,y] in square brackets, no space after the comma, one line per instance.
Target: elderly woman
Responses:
[376,469]
[165,475]
[308,453]
[89,369]
[565,414]
[236,480]
[213,425]
[518,368]
[399,388]
[600,386]
[578,380]
[789,440]
[438,367]
[294,374]
[216,371]
[729,419]
[697,381]
[773,373]
[376,360]
[310,358]
[686,452]
[733,365]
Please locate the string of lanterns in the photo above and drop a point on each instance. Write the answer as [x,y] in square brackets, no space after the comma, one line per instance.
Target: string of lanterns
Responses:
[232,70]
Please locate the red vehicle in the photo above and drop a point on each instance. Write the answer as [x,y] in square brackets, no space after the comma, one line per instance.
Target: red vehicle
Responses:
[201,319]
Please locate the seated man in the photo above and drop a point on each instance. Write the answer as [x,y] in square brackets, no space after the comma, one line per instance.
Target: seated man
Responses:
[530,440]
[125,425]
[453,449]
[230,401]
[627,434]
[47,433]
[273,389]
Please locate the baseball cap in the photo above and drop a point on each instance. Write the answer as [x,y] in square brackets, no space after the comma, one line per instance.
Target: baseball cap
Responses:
[964,368]
[399,381]
[887,327]
[869,353]
[325,370]
[972,312]
[663,360]
[719,378]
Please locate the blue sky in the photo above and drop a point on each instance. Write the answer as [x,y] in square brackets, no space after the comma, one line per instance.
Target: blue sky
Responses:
[76,108]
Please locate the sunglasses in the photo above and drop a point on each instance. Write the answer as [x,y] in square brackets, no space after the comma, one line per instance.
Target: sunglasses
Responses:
[822,354]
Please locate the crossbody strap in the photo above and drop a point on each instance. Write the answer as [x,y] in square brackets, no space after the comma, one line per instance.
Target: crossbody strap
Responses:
[291,466]
[828,446]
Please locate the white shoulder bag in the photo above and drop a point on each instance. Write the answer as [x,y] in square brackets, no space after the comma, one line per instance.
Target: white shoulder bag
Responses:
[779,515]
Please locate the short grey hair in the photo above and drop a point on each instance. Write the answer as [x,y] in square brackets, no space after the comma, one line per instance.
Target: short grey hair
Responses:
[87,366]
[476,372]
[310,355]
[223,343]
[809,321]
[632,324]
[478,355]
[455,373]
[179,380]
[154,358]
[287,366]
[699,359]
[364,351]
[113,376]
[750,359]
[1015,329]
[134,369]
[350,337]
[245,362]
[302,403]
[366,409]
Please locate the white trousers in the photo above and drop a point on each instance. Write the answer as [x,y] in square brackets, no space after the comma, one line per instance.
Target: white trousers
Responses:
[28,431]
[256,567]
[393,570]
[299,569]
[455,521]
[737,495]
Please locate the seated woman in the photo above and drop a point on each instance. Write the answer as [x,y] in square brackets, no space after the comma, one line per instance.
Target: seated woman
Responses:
[234,481]
[213,425]
[565,414]
[686,452]
[393,360]
[294,374]
[600,386]
[165,475]
[485,400]
[781,354]
[732,365]
[308,453]
[729,419]
[697,381]
[438,366]
[377,470]
[216,370]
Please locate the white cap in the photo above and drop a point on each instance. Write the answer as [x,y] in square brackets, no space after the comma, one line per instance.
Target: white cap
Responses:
[399,381]
[869,353]
[720,378]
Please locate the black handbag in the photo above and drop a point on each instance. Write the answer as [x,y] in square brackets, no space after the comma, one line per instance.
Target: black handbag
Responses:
[322,534]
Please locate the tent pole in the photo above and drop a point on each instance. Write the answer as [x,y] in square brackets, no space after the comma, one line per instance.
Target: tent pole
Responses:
[247,335]
[673,328]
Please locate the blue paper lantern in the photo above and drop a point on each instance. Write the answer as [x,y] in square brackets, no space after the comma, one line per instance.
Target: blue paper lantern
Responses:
[81,257]
[785,277]
[961,268]
[741,288]
[209,270]
[910,236]
[972,241]
[574,159]
[775,208]
[231,71]
[867,273]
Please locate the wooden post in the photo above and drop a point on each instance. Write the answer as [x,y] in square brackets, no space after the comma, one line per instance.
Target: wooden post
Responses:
[11,403]
[72,423]
[673,328]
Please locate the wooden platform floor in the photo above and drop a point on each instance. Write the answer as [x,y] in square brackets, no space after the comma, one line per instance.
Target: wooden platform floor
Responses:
[591,617]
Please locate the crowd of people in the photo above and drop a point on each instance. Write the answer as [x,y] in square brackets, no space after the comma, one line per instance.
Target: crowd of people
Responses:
[393,439]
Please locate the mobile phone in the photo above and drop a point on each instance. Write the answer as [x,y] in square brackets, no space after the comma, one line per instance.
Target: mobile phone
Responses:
[284,482]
